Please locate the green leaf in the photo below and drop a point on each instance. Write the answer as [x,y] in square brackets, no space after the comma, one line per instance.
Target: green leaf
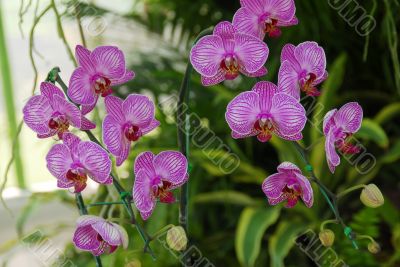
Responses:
[282,241]
[250,230]
[226,197]
[371,130]
[387,113]
[393,154]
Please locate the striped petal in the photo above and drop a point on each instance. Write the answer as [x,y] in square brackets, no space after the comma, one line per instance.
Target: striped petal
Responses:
[207,54]
[242,112]
[251,52]
[171,166]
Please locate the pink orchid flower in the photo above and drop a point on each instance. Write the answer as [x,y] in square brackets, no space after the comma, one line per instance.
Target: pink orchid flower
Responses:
[155,177]
[339,126]
[99,236]
[126,121]
[226,53]
[263,112]
[260,17]
[50,113]
[98,71]
[288,184]
[302,69]
[74,160]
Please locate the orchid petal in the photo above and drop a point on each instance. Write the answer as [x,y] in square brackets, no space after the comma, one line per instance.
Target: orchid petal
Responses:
[114,108]
[144,161]
[82,56]
[288,114]
[85,238]
[95,160]
[274,184]
[142,194]
[171,166]
[37,113]
[251,52]
[80,88]
[59,160]
[349,117]
[247,22]
[207,55]
[109,61]
[266,91]
[138,109]
[242,112]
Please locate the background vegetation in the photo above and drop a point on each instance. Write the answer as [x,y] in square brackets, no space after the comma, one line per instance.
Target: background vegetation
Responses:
[230,220]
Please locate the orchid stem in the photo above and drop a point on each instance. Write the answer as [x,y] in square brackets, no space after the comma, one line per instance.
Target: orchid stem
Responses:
[183,126]
[330,197]
[351,189]
[123,193]
[83,211]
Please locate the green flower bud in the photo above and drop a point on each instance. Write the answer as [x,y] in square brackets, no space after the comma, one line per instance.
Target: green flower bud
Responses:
[371,196]
[176,238]
[374,247]
[327,237]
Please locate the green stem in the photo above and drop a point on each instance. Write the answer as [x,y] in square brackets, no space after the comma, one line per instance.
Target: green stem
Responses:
[330,197]
[322,226]
[83,211]
[351,189]
[9,103]
[183,126]
[125,197]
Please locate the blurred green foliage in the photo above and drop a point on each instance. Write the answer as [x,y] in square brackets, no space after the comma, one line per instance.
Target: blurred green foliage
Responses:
[230,220]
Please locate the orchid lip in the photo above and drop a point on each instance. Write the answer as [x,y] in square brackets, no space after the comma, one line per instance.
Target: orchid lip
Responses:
[132,132]
[231,66]
[101,85]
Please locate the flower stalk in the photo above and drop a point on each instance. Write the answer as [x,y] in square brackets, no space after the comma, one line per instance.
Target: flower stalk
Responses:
[183,134]
[330,197]
[125,196]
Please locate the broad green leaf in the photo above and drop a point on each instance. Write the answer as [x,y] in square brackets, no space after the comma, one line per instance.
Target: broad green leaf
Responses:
[370,130]
[387,113]
[282,241]
[393,154]
[250,230]
[226,197]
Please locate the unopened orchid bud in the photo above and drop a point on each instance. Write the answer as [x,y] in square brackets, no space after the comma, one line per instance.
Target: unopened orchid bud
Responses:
[371,196]
[374,247]
[327,237]
[176,238]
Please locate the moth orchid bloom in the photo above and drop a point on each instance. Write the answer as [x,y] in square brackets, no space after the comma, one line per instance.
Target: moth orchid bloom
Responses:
[50,114]
[155,177]
[302,69]
[99,236]
[263,112]
[339,126]
[261,17]
[98,71]
[288,185]
[126,121]
[226,53]
[74,160]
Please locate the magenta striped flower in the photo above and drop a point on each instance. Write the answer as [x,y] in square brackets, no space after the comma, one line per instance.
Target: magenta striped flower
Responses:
[302,69]
[50,113]
[339,126]
[126,121]
[99,236]
[98,71]
[260,17]
[74,160]
[155,177]
[288,185]
[226,53]
[263,112]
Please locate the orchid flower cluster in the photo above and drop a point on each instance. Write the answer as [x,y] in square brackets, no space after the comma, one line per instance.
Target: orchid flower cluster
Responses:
[266,111]
[73,161]
[269,109]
